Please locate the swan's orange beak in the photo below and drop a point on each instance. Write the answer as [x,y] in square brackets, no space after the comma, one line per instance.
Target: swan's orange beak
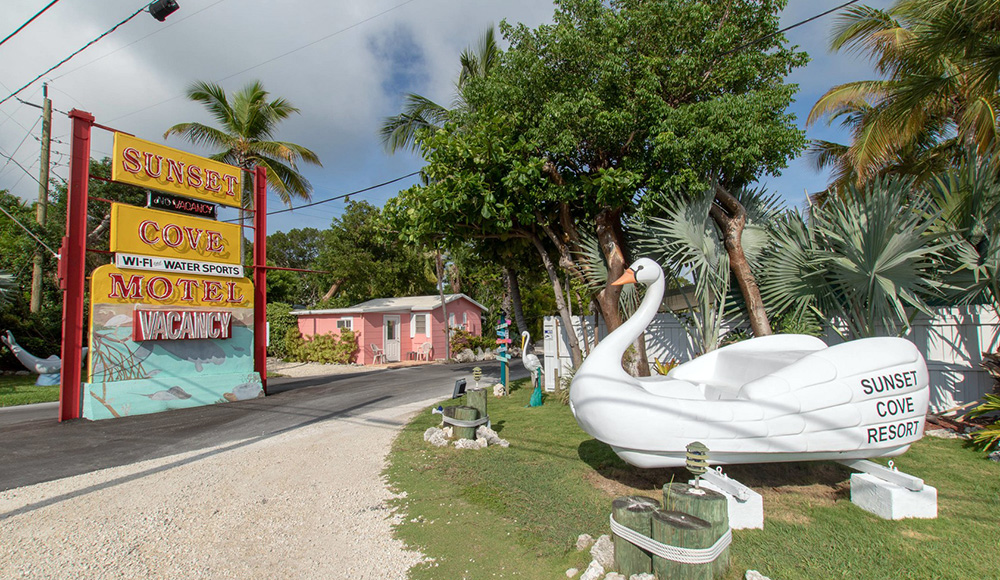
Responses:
[627,278]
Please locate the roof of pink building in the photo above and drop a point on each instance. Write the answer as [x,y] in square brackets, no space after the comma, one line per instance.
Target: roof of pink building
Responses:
[404,304]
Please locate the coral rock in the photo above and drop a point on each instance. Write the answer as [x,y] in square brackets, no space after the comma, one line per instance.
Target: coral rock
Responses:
[572,572]
[491,437]
[435,437]
[593,572]
[584,541]
[643,576]
[755,575]
[603,552]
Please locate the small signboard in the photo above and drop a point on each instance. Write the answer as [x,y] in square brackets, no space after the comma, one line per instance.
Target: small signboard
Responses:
[139,230]
[182,205]
[177,265]
[155,166]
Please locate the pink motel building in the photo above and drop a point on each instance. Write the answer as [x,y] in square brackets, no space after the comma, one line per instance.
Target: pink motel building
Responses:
[395,329]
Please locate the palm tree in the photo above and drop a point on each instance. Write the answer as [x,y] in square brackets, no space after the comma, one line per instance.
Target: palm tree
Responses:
[247,125]
[862,259]
[938,95]
[419,112]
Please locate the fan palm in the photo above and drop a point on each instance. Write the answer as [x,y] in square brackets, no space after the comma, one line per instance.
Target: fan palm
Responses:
[940,60]
[862,259]
[247,124]
[686,239]
[419,112]
[967,198]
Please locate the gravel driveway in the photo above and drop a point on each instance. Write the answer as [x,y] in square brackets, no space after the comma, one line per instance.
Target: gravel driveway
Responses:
[309,503]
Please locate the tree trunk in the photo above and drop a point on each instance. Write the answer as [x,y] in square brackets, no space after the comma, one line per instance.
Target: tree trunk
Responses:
[514,290]
[332,291]
[731,217]
[611,239]
[550,269]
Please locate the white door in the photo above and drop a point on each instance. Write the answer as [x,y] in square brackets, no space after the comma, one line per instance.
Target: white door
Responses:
[390,329]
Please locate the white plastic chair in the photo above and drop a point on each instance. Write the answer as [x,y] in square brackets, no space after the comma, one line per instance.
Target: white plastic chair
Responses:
[378,354]
[425,351]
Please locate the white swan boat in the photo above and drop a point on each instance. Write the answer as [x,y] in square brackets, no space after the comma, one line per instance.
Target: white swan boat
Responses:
[769,399]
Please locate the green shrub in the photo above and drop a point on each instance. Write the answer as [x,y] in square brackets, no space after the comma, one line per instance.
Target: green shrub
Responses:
[462,339]
[281,320]
[323,348]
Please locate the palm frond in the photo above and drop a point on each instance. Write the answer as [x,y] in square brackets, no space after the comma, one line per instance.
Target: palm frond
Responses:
[419,113]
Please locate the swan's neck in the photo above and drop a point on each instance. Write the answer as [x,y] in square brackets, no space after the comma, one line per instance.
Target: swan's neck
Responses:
[615,344]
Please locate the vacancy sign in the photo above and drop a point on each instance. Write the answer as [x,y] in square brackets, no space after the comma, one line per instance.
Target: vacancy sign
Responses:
[155,166]
[144,231]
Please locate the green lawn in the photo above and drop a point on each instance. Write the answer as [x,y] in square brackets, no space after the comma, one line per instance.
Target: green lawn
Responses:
[22,391]
[516,512]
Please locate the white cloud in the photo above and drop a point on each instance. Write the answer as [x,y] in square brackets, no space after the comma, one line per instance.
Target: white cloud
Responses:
[344,85]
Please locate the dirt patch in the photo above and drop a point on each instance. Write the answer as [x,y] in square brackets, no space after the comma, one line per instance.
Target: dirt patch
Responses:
[915,535]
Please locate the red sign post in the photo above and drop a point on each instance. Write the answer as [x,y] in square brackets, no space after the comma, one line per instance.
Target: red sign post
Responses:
[72,265]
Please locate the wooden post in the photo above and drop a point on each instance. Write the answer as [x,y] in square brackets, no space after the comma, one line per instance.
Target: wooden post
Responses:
[476,398]
[682,530]
[465,413]
[705,504]
[633,512]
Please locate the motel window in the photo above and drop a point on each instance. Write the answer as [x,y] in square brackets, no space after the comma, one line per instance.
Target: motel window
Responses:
[419,325]
[345,324]
[465,320]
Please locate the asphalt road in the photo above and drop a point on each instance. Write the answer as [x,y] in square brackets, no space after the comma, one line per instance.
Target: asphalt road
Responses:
[34,447]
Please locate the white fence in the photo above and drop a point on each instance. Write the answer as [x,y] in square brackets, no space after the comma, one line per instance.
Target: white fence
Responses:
[952,343]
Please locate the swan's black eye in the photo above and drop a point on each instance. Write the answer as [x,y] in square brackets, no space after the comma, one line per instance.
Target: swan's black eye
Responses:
[636,269]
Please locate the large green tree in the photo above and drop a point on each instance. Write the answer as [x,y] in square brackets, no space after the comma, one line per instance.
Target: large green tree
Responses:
[940,66]
[588,118]
[244,137]
[366,260]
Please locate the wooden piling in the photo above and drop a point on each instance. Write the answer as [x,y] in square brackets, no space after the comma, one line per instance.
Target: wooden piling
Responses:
[682,530]
[705,504]
[633,512]
[465,413]
[476,398]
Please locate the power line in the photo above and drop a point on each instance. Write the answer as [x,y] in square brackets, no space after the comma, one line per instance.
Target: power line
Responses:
[158,30]
[10,158]
[81,49]
[30,233]
[294,50]
[19,145]
[342,196]
[29,21]
[787,28]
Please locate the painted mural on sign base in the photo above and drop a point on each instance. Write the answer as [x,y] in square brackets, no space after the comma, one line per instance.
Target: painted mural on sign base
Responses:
[163,340]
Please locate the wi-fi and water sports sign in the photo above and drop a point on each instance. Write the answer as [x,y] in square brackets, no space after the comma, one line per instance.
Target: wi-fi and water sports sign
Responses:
[171,322]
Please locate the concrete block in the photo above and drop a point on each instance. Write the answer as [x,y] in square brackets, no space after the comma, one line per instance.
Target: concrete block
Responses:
[890,501]
[743,515]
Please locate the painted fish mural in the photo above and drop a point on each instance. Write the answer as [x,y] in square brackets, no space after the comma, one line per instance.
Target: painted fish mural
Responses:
[198,352]
[171,394]
[244,392]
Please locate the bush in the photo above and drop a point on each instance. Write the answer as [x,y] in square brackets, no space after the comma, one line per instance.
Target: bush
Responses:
[323,348]
[462,339]
[281,320]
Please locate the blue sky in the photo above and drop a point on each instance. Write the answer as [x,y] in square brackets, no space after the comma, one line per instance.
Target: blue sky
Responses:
[344,63]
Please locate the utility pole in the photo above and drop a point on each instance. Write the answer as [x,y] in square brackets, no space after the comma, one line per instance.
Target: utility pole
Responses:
[43,200]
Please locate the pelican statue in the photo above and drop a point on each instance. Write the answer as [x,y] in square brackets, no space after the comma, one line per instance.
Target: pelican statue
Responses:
[534,366]
[776,398]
